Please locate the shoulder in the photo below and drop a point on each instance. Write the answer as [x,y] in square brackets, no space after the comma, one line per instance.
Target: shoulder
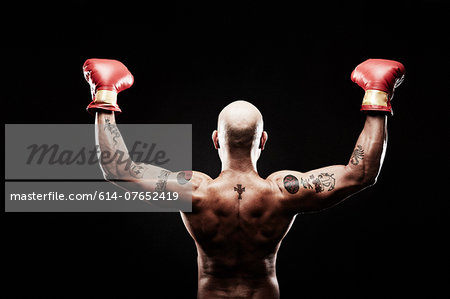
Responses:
[199,179]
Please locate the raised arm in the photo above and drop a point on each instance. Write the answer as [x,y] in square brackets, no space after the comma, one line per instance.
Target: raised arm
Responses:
[115,160]
[107,78]
[325,187]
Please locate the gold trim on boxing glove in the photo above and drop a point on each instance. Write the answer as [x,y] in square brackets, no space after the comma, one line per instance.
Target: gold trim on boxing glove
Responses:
[375,97]
[106,97]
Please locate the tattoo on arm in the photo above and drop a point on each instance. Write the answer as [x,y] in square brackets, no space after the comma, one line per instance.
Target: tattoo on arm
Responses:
[291,184]
[305,183]
[317,184]
[357,155]
[137,170]
[162,180]
[184,177]
[326,181]
[322,182]
[113,130]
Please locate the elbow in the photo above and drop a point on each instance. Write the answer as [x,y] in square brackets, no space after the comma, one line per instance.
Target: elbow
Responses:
[368,181]
[364,179]
[108,175]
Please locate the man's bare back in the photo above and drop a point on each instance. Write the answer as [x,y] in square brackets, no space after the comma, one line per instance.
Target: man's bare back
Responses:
[237,239]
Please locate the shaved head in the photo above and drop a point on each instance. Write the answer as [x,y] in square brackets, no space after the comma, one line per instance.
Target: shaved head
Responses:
[240,124]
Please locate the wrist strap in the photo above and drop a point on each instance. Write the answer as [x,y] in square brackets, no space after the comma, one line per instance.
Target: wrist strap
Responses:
[106,97]
[375,98]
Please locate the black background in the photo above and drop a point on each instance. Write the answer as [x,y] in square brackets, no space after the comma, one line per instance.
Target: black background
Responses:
[294,63]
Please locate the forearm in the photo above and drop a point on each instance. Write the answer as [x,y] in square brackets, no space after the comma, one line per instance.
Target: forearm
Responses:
[368,154]
[115,161]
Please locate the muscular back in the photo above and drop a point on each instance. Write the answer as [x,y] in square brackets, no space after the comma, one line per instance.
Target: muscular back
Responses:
[237,239]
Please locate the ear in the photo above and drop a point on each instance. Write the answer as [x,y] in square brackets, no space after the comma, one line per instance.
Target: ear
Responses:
[263,140]
[215,139]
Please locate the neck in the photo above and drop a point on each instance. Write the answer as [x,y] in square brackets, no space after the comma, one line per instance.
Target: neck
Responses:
[239,162]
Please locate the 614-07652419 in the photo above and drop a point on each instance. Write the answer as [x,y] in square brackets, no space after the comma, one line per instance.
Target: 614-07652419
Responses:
[134,195]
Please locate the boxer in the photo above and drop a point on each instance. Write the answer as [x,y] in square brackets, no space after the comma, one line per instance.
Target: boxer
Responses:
[239,219]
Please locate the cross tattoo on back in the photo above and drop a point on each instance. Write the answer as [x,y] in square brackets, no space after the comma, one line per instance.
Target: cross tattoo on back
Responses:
[239,190]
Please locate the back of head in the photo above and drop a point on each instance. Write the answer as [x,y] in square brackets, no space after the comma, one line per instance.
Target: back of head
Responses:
[240,124]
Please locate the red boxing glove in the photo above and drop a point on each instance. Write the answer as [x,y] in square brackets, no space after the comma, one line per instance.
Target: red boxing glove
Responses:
[379,78]
[107,78]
